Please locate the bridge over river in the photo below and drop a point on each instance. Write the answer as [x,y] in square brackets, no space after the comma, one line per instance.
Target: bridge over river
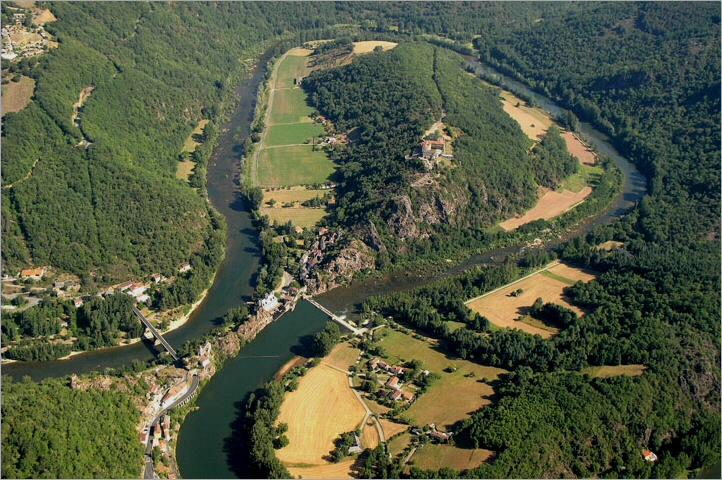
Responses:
[156,333]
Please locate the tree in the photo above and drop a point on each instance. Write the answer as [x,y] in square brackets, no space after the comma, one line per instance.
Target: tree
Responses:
[326,339]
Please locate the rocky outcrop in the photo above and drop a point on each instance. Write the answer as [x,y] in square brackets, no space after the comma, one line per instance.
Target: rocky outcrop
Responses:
[355,258]
[370,236]
[402,221]
[249,329]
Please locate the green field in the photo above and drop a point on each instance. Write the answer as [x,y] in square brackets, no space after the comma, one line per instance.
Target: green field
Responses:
[291,67]
[294,134]
[587,175]
[298,165]
[302,217]
[289,106]
[434,457]
[549,274]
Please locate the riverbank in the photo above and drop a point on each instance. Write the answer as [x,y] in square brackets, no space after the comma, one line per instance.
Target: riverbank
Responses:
[174,325]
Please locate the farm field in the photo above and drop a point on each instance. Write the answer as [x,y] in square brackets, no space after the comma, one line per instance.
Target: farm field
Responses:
[453,397]
[342,356]
[587,175]
[293,65]
[342,469]
[368,46]
[533,121]
[294,194]
[550,205]
[432,456]
[293,134]
[320,410]
[398,444]
[190,144]
[369,434]
[302,217]
[502,309]
[605,371]
[298,165]
[289,106]
[575,146]
[16,95]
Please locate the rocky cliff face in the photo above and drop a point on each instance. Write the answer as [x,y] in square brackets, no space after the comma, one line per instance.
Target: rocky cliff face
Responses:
[249,329]
[340,270]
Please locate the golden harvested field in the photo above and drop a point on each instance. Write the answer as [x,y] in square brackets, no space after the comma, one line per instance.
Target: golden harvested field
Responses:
[432,456]
[575,146]
[342,469]
[368,46]
[191,144]
[451,398]
[550,205]
[392,428]
[185,168]
[634,370]
[302,217]
[17,95]
[502,309]
[455,396]
[533,121]
[295,194]
[369,434]
[342,356]
[318,412]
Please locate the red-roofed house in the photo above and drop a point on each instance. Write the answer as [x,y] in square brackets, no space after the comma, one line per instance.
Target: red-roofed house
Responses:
[78,302]
[136,289]
[184,268]
[395,395]
[396,370]
[440,435]
[156,277]
[173,394]
[649,456]
[35,273]
[408,396]
[374,362]
[393,383]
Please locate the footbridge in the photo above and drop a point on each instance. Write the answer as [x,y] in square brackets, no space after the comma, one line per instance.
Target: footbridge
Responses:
[155,333]
[334,317]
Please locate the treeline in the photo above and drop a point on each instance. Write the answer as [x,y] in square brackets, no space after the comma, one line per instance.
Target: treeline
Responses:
[52,430]
[261,414]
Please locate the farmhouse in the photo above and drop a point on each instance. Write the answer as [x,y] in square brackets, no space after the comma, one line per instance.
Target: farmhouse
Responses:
[649,456]
[441,436]
[34,273]
[184,268]
[395,395]
[125,286]
[393,382]
[136,289]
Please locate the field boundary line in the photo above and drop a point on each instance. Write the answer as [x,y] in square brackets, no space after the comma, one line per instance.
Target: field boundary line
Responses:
[551,265]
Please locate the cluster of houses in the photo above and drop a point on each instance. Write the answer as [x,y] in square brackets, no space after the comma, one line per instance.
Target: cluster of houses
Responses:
[12,50]
[434,433]
[394,383]
[311,258]
[160,433]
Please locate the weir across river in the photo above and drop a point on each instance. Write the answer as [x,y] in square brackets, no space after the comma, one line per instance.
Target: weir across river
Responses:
[334,317]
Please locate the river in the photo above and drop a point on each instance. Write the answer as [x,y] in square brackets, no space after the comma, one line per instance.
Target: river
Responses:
[203,449]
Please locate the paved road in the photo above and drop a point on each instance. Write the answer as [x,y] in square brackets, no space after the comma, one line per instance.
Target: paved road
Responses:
[149,473]
[156,333]
[369,413]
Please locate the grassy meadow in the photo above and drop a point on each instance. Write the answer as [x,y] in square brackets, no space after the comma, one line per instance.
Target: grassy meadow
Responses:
[294,134]
[294,165]
[290,106]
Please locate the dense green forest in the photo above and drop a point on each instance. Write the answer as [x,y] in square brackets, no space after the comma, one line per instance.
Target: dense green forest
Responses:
[51,430]
[646,73]
[388,100]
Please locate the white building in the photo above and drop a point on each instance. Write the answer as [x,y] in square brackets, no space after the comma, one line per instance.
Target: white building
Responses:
[269,302]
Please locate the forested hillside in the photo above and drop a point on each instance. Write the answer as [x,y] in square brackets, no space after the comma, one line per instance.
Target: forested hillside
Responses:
[397,204]
[115,208]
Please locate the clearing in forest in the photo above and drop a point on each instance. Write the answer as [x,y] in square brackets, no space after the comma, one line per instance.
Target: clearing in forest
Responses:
[502,309]
[44,17]
[633,370]
[455,395]
[16,95]
[368,46]
[293,165]
[534,122]
[433,457]
[190,143]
